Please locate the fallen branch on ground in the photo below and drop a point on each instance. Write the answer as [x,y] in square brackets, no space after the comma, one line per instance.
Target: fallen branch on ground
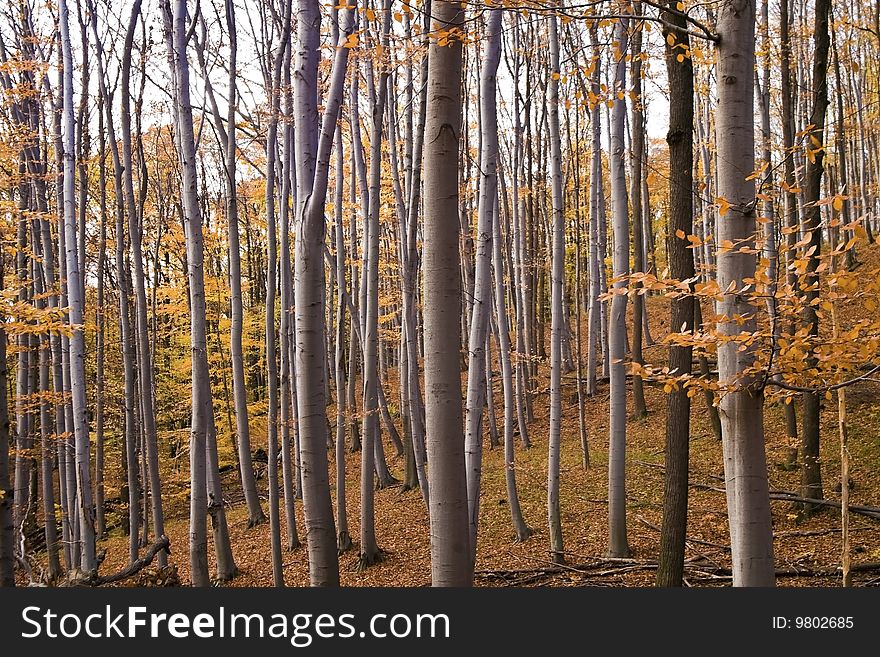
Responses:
[787,496]
[130,570]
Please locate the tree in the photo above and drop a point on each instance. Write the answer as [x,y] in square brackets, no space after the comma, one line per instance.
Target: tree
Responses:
[239,387]
[680,139]
[617,541]
[745,464]
[441,280]
[85,509]
[481,303]
[135,231]
[313,164]
[557,550]
[7,529]
[271,276]
[203,448]
[811,472]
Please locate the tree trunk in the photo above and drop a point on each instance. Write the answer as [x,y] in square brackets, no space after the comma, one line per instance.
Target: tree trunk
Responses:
[811,473]
[637,149]
[450,554]
[7,529]
[482,294]
[239,386]
[271,276]
[312,173]
[680,139]
[789,182]
[596,264]
[617,541]
[101,322]
[343,539]
[289,440]
[85,508]
[745,464]
[202,435]
[557,263]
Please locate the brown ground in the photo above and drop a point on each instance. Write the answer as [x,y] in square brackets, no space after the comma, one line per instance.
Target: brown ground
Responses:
[401,522]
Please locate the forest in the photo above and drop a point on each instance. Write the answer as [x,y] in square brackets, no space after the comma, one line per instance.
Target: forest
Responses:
[420,292]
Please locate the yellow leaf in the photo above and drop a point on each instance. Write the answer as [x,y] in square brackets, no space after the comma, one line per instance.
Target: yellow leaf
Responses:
[680,234]
[370,14]
[837,203]
[723,205]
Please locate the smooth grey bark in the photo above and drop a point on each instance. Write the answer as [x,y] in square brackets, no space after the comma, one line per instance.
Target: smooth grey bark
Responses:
[50,530]
[123,284]
[271,277]
[596,264]
[523,288]
[745,464]
[312,176]
[23,437]
[343,538]
[370,461]
[85,508]
[100,322]
[289,463]
[205,493]
[481,307]
[521,530]
[557,263]
[410,275]
[353,320]
[145,373]
[637,150]
[239,385]
[617,539]
[441,279]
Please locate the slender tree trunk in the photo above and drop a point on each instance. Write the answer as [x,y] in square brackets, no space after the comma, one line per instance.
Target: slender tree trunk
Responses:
[789,182]
[289,463]
[23,438]
[85,507]
[811,473]
[680,139]
[637,148]
[343,539]
[100,317]
[205,493]
[617,540]
[239,386]
[271,276]
[135,231]
[313,160]
[745,464]
[557,263]
[481,301]
[450,554]
[596,266]
[7,529]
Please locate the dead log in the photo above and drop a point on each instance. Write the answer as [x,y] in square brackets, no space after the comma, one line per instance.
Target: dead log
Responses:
[129,571]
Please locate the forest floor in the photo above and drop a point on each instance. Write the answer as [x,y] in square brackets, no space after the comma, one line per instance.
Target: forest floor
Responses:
[807,551]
